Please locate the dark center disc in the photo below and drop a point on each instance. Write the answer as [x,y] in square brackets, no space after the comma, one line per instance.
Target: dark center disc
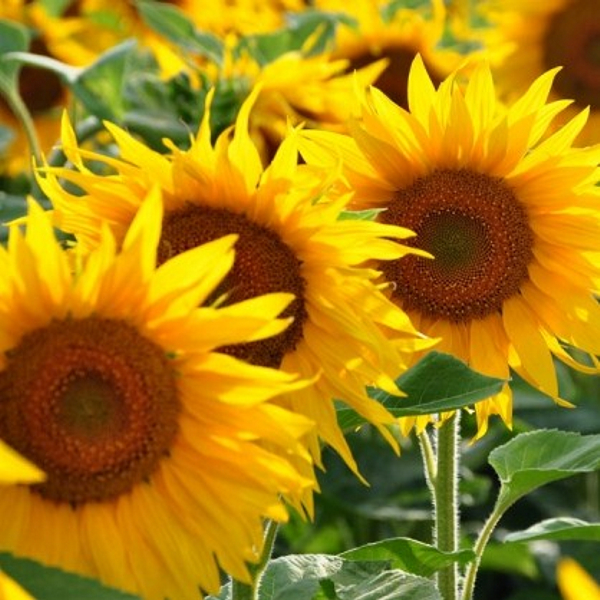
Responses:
[263,264]
[572,40]
[93,403]
[479,235]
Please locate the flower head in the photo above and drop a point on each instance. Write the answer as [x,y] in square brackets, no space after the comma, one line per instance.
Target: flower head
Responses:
[162,455]
[526,39]
[290,240]
[511,222]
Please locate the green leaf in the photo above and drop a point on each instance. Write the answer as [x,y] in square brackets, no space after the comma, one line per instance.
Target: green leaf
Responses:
[314,25]
[173,24]
[322,577]
[13,38]
[100,86]
[369,214]
[409,555]
[561,528]
[437,383]
[515,559]
[47,583]
[533,459]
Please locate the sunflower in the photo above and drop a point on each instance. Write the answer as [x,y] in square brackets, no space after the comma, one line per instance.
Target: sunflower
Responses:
[242,17]
[291,240]
[574,582]
[526,39]
[512,222]
[396,38]
[296,88]
[154,444]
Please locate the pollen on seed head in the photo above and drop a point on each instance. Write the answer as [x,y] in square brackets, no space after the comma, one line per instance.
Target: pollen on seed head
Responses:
[479,235]
[263,264]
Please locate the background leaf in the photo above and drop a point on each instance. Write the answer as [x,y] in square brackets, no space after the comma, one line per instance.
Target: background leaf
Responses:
[437,383]
[47,583]
[533,459]
[409,555]
[560,528]
[326,577]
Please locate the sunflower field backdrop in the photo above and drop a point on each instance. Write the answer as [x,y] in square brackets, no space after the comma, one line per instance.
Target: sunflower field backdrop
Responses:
[299,300]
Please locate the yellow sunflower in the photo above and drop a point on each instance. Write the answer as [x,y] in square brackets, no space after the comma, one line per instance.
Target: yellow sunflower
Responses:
[223,17]
[154,444]
[527,38]
[512,222]
[574,582]
[396,39]
[290,241]
[296,88]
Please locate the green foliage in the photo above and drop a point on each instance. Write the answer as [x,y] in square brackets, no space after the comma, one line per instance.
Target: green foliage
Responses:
[47,583]
[175,26]
[533,459]
[560,528]
[325,577]
[409,555]
[13,38]
[437,383]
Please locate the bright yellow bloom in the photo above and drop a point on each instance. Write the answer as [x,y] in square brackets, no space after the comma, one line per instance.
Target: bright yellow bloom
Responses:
[291,240]
[526,38]
[574,582]
[396,40]
[155,445]
[511,221]
[295,88]
[244,17]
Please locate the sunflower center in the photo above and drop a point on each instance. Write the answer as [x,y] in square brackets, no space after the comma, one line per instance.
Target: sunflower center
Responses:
[479,235]
[263,264]
[573,40]
[91,402]
[393,82]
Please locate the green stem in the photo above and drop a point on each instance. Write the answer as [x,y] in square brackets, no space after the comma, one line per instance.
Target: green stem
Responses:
[245,591]
[429,461]
[446,502]
[22,113]
[479,548]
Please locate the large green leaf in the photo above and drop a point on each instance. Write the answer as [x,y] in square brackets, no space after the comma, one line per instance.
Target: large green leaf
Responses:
[325,577]
[100,86]
[533,459]
[409,555]
[46,583]
[439,382]
[561,528]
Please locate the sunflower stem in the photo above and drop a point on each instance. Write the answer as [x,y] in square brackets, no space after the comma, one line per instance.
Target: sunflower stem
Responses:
[480,545]
[445,488]
[20,111]
[244,591]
